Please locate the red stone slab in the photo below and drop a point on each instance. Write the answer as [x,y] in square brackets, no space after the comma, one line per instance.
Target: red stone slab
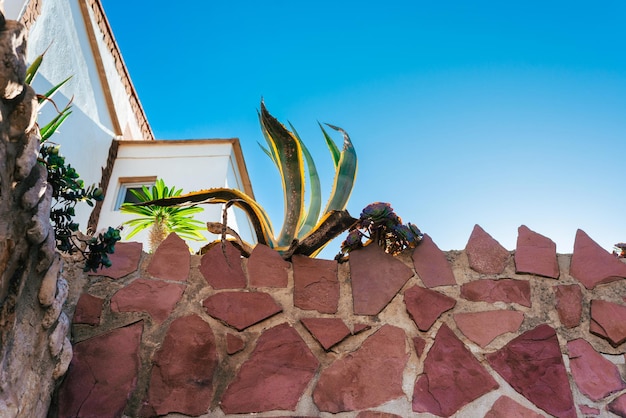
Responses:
[595,376]
[592,265]
[171,260]
[327,331]
[533,366]
[220,273]
[502,290]
[125,260]
[419,344]
[375,371]
[183,369]
[275,375]
[241,309]
[431,264]
[618,406]
[156,297]
[102,374]
[452,377]
[425,306]
[588,410]
[484,327]
[88,310]
[535,254]
[569,304]
[316,285]
[266,268]
[376,414]
[506,407]
[376,279]
[485,254]
[234,344]
[358,327]
[608,320]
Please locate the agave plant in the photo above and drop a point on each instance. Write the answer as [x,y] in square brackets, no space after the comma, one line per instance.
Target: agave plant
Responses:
[162,220]
[304,231]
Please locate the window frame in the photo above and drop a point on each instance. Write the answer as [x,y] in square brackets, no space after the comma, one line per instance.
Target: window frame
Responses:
[126,183]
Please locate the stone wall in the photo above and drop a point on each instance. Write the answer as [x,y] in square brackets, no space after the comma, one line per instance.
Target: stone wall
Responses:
[479,332]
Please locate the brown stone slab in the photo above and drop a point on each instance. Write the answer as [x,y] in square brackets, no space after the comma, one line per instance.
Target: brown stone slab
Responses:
[316,285]
[506,407]
[327,331]
[241,309]
[532,364]
[569,304]
[182,373]
[223,272]
[171,260]
[595,376]
[88,310]
[618,406]
[419,344]
[266,268]
[484,327]
[431,264]
[452,377]
[275,375]
[425,306]
[376,279]
[485,254]
[376,414]
[608,320]
[124,260]
[375,371]
[502,290]
[102,374]
[592,265]
[155,297]
[535,254]
[234,344]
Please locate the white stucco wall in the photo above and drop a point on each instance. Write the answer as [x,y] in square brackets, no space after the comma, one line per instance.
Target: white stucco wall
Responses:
[191,165]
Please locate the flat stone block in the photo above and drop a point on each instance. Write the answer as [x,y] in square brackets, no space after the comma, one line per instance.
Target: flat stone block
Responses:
[535,254]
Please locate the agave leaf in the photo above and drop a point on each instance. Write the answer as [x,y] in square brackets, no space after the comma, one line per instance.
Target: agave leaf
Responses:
[291,166]
[48,95]
[332,147]
[330,226]
[51,127]
[315,202]
[258,216]
[268,153]
[345,175]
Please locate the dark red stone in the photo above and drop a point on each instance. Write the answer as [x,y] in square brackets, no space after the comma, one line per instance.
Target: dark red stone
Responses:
[327,331]
[592,265]
[234,344]
[266,268]
[360,328]
[125,260]
[452,377]
[374,370]
[608,320]
[241,309]
[275,375]
[506,407]
[88,310]
[220,273]
[535,254]
[376,278]
[588,410]
[419,344]
[595,376]
[484,327]
[316,285]
[431,264]
[183,368]
[376,414]
[618,406]
[102,374]
[532,364]
[425,306]
[171,260]
[485,254]
[502,290]
[569,304]
[156,297]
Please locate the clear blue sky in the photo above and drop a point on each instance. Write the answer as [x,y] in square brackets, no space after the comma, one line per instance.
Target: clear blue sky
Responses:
[461,113]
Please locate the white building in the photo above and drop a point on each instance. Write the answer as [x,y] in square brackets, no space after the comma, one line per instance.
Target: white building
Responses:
[108,138]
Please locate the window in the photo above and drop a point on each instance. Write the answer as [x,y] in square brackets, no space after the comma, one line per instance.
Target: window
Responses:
[126,184]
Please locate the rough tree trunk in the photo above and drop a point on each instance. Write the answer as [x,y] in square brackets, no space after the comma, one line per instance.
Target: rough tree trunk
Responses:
[34,348]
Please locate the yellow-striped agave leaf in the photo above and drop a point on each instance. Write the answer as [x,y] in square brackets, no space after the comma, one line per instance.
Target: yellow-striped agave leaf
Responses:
[345,175]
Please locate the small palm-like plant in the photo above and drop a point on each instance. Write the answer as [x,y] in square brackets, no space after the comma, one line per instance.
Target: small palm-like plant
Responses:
[304,231]
[162,220]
